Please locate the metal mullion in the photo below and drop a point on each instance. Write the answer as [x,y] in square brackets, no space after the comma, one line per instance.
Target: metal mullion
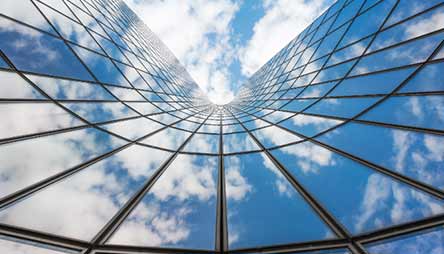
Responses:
[354,64]
[114,223]
[383,124]
[368,122]
[359,13]
[42,238]
[44,93]
[317,207]
[431,61]
[296,247]
[374,35]
[221,216]
[401,230]
[25,192]
[328,57]
[129,50]
[87,69]
[126,249]
[29,26]
[91,82]
[107,57]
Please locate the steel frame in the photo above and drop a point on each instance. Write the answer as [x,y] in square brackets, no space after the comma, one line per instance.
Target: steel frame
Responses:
[274,70]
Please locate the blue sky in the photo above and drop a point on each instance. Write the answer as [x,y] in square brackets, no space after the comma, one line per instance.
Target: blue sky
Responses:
[222,42]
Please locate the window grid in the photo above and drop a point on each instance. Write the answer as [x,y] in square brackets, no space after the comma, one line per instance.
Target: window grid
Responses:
[177,96]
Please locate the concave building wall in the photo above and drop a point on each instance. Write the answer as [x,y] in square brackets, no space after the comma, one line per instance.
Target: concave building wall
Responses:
[107,145]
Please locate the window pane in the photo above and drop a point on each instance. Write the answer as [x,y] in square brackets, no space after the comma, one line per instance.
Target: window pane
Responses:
[410,153]
[134,128]
[238,142]
[344,107]
[430,78]
[263,208]
[419,111]
[15,9]
[179,210]
[27,118]
[309,125]
[381,83]
[15,87]
[203,143]
[99,112]
[169,138]
[68,89]
[273,136]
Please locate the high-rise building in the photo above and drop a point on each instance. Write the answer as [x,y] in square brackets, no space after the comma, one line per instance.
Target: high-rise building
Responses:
[335,145]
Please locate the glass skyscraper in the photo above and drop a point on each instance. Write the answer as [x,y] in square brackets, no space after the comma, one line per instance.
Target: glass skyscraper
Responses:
[335,145]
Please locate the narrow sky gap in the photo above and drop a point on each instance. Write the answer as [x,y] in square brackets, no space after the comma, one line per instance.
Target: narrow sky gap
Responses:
[221,43]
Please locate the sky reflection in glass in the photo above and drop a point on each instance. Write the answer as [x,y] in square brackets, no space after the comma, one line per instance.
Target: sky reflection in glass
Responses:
[96,110]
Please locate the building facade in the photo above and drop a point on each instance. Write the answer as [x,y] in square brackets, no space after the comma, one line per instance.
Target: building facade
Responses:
[335,145]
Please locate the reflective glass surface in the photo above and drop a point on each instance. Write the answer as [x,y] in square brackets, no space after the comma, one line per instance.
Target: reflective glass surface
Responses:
[428,241]
[10,246]
[96,193]
[259,196]
[334,146]
[179,210]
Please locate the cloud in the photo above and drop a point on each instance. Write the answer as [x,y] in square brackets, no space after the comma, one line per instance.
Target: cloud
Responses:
[310,157]
[24,248]
[237,185]
[283,20]
[198,32]
[165,215]
[384,196]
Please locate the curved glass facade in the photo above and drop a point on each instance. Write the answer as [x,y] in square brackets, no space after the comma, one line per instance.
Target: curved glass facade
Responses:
[335,145]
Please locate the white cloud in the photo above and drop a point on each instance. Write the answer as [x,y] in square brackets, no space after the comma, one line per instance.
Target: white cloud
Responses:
[237,185]
[198,33]
[283,20]
[12,247]
[310,157]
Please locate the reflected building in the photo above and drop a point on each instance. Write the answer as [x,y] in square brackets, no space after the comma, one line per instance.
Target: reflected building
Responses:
[335,145]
